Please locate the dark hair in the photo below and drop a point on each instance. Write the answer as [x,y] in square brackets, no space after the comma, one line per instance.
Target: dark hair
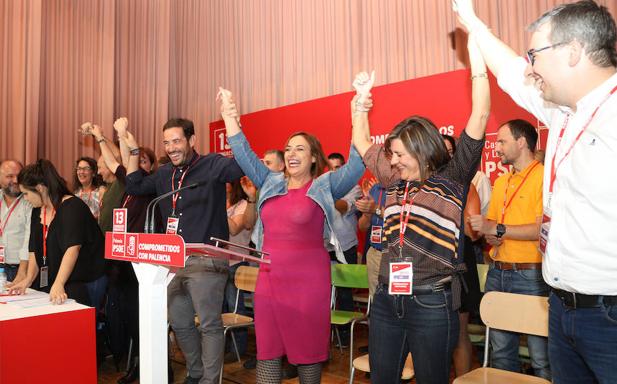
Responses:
[236,193]
[44,173]
[522,128]
[586,22]
[278,153]
[422,140]
[320,164]
[97,180]
[185,124]
[336,156]
[145,151]
[450,140]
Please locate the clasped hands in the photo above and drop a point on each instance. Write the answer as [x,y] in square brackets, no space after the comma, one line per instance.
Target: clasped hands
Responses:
[485,227]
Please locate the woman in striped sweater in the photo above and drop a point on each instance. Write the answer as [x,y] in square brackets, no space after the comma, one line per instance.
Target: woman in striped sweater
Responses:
[415,304]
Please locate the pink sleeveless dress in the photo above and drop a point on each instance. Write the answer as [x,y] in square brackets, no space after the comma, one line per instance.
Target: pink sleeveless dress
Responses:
[292,297]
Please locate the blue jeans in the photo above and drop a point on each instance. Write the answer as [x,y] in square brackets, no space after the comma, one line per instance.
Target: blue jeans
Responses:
[96,292]
[240,334]
[582,343]
[424,325]
[505,344]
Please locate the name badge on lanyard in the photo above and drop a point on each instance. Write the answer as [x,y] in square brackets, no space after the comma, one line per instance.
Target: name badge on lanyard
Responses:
[401,278]
[172,225]
[44,276]
[44,271]
[376,231]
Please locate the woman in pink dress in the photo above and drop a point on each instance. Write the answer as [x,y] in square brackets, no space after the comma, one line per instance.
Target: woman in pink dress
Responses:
[292,298]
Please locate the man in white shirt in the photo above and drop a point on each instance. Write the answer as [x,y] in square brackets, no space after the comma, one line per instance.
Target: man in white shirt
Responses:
[15,215]
[569,82]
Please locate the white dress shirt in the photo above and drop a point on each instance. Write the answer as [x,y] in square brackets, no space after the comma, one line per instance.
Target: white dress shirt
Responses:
[16,235]
[581,253]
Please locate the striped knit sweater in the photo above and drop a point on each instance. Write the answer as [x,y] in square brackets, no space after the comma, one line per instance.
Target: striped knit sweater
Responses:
[435,232]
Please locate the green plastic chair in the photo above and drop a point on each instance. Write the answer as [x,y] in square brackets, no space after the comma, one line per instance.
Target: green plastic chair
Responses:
[346,276]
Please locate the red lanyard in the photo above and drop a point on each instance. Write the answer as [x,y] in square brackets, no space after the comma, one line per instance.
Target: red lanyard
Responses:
[175,196]
[126,200]
[45,232]
[563,128]
[506,203]
[404,218]
[15,204]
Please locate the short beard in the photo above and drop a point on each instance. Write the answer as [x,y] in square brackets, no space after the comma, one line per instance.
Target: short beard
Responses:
[10,192]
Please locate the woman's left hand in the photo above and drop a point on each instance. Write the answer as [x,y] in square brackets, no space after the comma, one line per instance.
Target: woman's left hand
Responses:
[228,105]
[57,295]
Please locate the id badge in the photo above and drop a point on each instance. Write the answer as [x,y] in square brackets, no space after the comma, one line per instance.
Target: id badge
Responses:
[401,278]
[544,230]
[172,225]
[376,233]
[44,280]
[1,254]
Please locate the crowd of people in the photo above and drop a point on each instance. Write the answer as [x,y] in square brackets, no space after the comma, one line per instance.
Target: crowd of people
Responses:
[428,214]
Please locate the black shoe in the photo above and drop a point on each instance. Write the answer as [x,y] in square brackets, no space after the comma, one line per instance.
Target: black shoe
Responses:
[290,371]
[191,380]
[131,375]
[250,363]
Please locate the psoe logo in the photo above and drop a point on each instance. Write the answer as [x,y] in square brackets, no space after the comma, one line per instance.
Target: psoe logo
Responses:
[131,246]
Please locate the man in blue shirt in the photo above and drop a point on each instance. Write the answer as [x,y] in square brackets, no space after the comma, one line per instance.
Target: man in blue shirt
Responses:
[196,214]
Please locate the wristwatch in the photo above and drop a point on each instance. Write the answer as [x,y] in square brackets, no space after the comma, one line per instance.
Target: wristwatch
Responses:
[501,230]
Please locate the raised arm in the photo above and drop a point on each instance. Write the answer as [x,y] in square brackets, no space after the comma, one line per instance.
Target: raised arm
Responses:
[480,92]
[245,157]
[120,125]
[495,52]
[109,151]
[360,106]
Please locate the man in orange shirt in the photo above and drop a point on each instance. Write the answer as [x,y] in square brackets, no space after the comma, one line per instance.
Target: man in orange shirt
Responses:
[512,226]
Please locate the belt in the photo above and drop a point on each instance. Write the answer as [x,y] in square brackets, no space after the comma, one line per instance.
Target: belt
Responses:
[11,266]
[579,300]
[516,266]
[427,289]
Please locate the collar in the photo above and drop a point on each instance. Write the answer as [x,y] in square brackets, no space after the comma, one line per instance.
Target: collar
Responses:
[593,98]
[525,171]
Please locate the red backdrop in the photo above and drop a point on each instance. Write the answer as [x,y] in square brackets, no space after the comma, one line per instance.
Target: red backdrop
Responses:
[444,98]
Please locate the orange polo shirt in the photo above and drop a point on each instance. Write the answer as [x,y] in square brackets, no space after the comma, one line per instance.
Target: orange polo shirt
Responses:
[522,206]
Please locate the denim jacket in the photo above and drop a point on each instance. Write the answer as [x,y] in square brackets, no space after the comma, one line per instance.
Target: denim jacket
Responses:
[325,190]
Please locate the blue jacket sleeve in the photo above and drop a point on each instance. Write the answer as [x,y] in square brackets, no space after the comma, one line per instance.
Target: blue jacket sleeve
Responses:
[247,159]
[347,176]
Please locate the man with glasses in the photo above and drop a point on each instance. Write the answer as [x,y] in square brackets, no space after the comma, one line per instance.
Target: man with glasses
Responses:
[568,82]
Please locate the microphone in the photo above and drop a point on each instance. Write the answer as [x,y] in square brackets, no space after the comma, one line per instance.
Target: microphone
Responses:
[149,225]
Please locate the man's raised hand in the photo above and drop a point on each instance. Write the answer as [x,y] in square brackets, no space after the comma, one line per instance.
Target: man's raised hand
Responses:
[120,125]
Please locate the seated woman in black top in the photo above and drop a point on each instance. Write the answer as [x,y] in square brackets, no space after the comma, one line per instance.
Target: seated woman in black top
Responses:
[66,244]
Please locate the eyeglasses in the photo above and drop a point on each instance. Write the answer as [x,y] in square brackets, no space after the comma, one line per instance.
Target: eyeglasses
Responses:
[532,52]
[83,169]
